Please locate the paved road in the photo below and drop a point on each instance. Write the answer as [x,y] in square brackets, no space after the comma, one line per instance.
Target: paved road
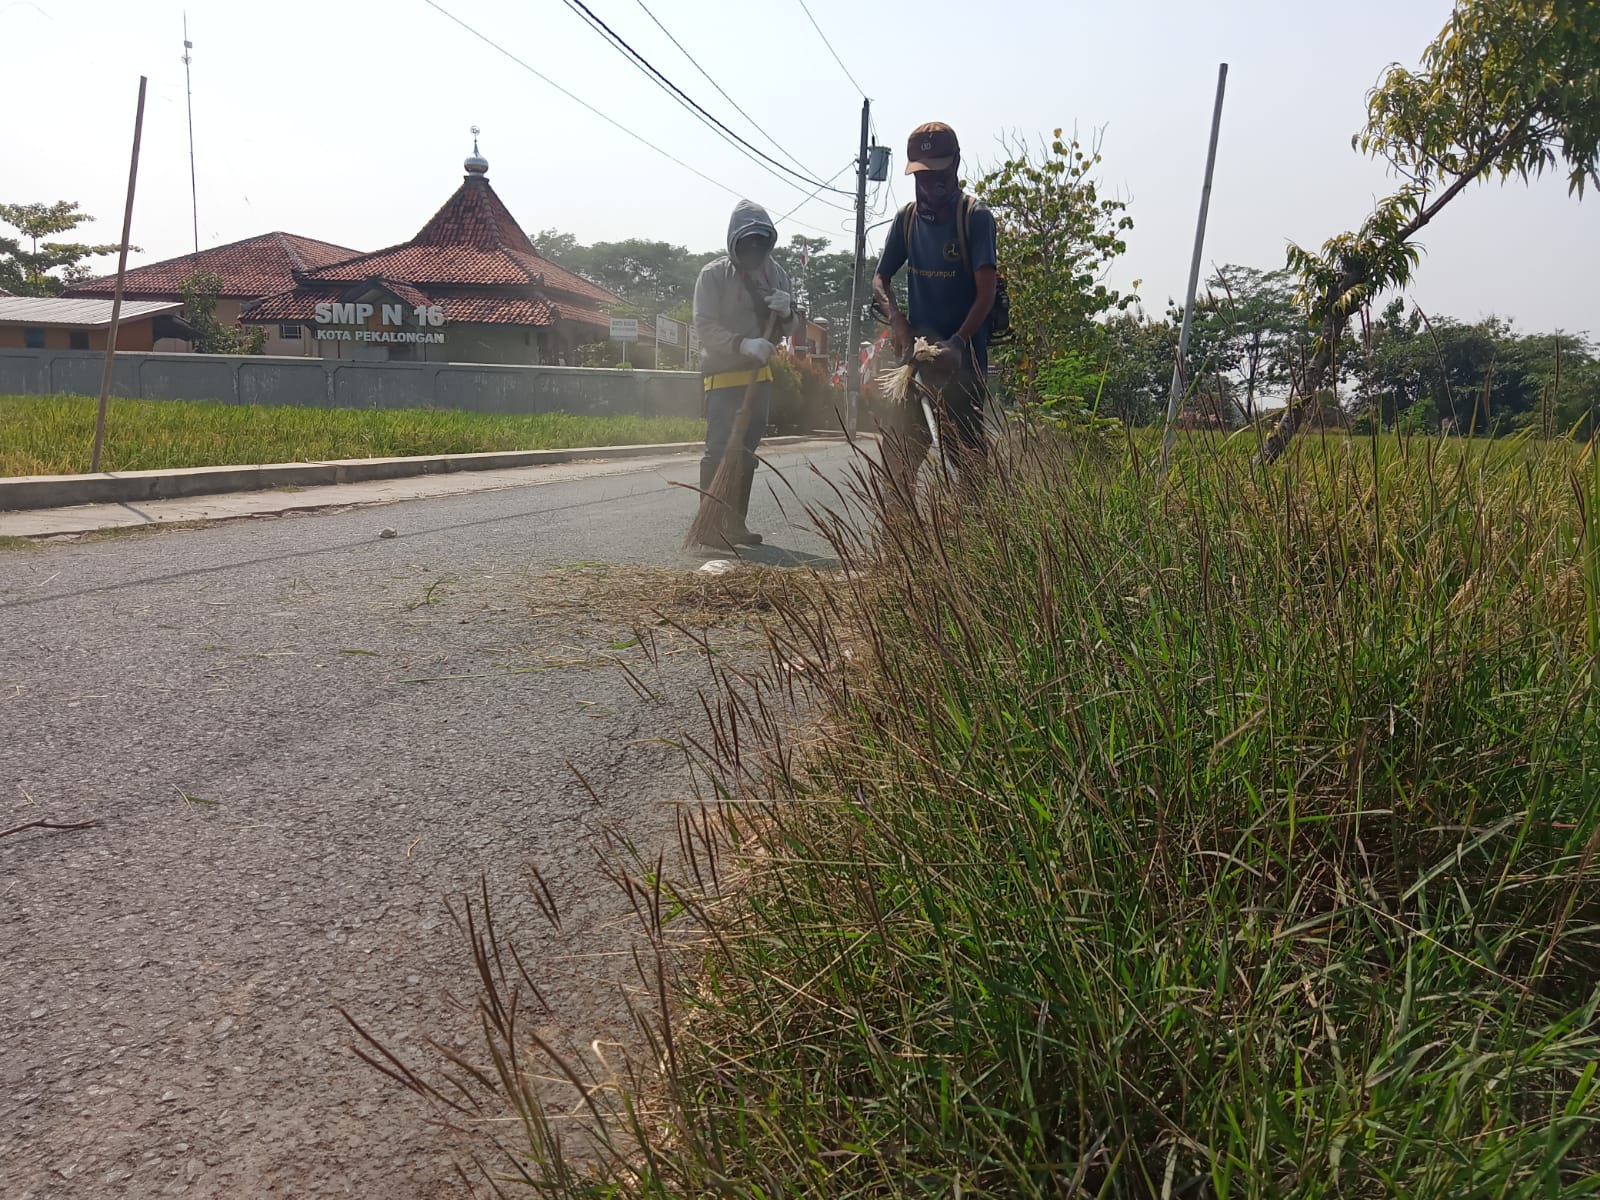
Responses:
[281,808]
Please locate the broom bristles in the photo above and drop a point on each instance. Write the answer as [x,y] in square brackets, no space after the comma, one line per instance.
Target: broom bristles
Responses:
[709,527]
[898,382]
[710,524]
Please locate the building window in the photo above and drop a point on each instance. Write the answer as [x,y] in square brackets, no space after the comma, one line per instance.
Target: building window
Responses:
[33,339]
[291,333]
[78,339]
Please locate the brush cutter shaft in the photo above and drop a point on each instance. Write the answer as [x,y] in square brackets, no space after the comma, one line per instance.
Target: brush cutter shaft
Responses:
[933,425]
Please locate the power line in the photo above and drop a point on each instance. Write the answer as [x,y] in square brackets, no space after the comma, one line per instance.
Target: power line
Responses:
[831,50]
[814,195]
[683,98]
[776,144]
[582,103]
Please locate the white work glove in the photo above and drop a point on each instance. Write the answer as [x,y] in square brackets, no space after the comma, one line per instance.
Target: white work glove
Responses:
[757,348]
[781,303]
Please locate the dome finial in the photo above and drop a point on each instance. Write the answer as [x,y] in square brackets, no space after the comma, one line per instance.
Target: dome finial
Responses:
[476,164]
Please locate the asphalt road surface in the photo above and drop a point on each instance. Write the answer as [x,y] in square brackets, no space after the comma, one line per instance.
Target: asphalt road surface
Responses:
[296,738]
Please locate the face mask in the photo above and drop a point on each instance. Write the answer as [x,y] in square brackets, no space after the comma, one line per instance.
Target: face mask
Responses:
[934,191]
[750,253]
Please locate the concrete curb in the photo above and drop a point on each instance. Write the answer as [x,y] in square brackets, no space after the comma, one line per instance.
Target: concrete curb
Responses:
[22,492]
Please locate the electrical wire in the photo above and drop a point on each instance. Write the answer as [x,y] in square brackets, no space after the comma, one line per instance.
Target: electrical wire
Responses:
[814,195]
[831,50]
[736,107]
[584,104]
[683,98]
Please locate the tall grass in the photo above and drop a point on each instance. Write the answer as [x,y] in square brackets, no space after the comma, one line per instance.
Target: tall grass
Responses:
[52,435]
[1232,837]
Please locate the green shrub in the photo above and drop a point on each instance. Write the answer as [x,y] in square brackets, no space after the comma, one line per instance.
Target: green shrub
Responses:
[804,400]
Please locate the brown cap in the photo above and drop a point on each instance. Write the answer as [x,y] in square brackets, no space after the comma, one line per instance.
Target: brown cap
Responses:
[932,147]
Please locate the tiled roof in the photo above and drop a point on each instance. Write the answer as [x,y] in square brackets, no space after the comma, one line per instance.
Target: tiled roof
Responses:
[258,266]
[472,241]
[285,306]
[495,310]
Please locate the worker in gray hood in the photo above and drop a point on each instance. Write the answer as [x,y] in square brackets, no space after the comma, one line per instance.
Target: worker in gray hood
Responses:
[737,298]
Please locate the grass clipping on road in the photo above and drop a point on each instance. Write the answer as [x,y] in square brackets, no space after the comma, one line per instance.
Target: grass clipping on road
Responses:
[1233,837]
[52,435]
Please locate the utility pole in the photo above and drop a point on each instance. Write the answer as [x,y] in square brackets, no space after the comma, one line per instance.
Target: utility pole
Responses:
[853,388]
[1180,369]
[188,92]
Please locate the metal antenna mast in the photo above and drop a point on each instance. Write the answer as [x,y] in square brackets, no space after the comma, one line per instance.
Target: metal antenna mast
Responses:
[194,193]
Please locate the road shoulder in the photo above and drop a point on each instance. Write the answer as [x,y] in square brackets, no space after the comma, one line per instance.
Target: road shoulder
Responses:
[79,519]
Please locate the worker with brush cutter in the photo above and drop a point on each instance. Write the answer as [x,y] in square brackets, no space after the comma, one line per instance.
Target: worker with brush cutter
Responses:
[743,304]
[946,241]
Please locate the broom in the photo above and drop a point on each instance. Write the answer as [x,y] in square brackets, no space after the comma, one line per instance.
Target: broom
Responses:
[709,527]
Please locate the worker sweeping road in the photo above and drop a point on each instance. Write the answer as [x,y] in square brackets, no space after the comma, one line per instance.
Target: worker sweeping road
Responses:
[946,242]
[743,304]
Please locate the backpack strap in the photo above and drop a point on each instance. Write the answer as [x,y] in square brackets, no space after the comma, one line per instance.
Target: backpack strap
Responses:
[964,231]
[908,216]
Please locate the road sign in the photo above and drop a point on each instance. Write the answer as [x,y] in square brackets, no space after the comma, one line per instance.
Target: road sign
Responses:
[624,329]
[668,332]
[694,341]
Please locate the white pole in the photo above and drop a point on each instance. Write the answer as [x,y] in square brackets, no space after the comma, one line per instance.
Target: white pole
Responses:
[188,92]
[1180,368]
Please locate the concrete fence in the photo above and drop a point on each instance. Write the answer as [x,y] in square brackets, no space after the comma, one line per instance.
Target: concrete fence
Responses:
[335,383]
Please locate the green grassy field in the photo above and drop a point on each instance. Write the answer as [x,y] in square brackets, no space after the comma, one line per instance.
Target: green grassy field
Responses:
[53,435]
[1229,837]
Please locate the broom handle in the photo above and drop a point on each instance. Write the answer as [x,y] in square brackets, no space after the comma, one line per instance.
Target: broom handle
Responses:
[750,389]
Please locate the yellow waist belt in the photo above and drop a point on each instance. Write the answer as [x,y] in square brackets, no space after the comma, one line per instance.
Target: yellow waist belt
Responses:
[729,379]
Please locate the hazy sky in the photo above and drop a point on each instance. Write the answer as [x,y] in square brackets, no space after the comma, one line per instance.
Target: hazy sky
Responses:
[347,120]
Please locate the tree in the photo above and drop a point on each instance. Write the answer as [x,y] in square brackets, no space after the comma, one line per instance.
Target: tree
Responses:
[824,283]
[1508,88]
[1139,354]
[1057,240]
[652,277]
[1483,378]
[558,247]
[802,259]
[200,294]
[1572,393]
[1254,330]
[28,272]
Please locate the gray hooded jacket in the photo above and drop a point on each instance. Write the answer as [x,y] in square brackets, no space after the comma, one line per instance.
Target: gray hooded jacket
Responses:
[727,307]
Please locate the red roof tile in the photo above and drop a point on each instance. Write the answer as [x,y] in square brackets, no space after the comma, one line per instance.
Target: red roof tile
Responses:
[287,307]
[472,241]
[495,310]
[405,293]
[258,266]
